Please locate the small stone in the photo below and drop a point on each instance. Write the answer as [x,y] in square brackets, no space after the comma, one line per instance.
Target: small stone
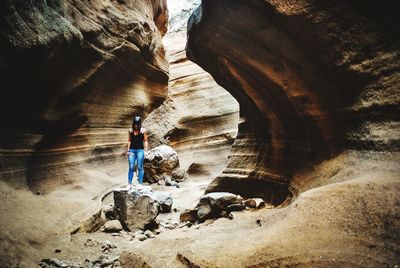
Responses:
[53,263]
[251,203]
[149,234]
[164,200]
[188,215]
[157,231]
[175,210]
[185,224]
[57,250]
[112,226]
[91,243]
[142,237]
[224,214]
[116,264]
[258,222]
[136,234]
[212,204]
[38,193]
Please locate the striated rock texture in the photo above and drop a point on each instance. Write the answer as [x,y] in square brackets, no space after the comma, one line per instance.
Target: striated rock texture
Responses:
[312,80]
[73,73]
[199,118]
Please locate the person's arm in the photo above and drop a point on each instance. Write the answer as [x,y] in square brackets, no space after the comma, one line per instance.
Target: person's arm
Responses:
[145,141]
[129,141]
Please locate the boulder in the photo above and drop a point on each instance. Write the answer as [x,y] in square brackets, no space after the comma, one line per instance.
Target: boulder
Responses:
[212,205]
[162,163]
[135,208]
[138,208]
[164,200]
[112,226]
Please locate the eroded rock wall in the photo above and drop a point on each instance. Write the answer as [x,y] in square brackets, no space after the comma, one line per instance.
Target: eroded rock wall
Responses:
[73,73]
[312,80]
[199,118]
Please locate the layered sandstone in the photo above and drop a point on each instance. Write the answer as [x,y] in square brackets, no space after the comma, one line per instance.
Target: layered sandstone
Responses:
[312,80]
[199,118]
[72,75]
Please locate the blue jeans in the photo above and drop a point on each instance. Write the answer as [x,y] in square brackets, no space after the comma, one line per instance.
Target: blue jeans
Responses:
[136,155]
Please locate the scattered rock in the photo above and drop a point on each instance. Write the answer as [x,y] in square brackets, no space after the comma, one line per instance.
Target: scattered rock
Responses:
[162,162]
[107,247]
[91,243]
[132,259]
[112,226]
[141,237]
[188,215]
[57,250]
[188,224]
[175,209]
[164,200]
[254,203]
[258,222]
[53,263]
[170,182]
[168,225]
[136,234]
[149,234]
[213,204]
[157,231]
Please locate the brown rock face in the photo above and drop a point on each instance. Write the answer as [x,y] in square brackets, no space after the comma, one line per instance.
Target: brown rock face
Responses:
[72,75]
[311,80]
[199,118]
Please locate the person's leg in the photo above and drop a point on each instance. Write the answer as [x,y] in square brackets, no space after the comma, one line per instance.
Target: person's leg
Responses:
[132,160]
[140,160]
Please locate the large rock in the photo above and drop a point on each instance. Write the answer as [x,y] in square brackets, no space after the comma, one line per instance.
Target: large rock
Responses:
[164,200]
[138,208]
[162,163]
[212,205]
[135,208]
[112,226]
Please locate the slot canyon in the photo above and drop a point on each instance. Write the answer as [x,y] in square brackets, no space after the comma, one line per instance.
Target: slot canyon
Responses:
[284,115]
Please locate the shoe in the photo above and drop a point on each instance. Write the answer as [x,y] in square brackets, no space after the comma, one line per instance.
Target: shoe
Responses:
[128,187]
[139,186]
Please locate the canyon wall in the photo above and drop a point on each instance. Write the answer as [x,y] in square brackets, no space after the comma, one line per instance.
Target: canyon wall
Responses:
[199,118]
[312,81]
[73,74]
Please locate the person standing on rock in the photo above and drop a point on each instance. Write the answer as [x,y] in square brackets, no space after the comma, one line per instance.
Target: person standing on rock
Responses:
[137,145]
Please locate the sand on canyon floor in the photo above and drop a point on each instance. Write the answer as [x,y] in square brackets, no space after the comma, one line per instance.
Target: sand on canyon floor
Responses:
[346,214]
